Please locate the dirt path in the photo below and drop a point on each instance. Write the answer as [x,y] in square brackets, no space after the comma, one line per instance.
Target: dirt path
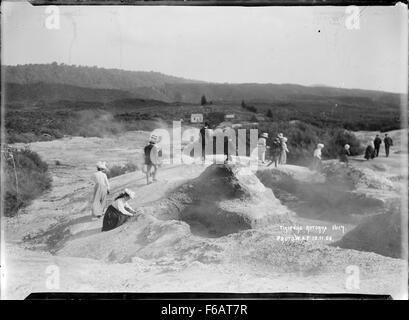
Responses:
[72,186]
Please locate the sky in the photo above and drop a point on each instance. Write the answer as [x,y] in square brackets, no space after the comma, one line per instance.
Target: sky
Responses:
[300,45]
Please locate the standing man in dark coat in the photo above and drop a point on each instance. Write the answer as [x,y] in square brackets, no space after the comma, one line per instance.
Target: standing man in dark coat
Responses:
[388,143]
[377,143]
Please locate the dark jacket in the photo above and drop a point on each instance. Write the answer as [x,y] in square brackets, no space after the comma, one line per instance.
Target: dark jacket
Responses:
[388,141]
[203,134]
[369,152]
[344,155]
[377,141]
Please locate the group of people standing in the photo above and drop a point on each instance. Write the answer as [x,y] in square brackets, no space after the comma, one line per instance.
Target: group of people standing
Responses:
[373,147]
[371,151]
[277,149]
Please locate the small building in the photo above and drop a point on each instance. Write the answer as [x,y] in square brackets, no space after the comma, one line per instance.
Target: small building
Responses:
[196,118]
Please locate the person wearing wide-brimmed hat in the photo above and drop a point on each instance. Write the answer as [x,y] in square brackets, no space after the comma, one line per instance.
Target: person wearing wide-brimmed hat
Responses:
[119,211]
[262,147]
[151,152]
[101,189]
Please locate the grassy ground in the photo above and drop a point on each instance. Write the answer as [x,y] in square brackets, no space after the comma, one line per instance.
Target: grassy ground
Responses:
[26,176]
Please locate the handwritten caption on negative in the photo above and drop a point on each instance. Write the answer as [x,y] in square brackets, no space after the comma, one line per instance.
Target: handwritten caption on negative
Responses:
[309,232]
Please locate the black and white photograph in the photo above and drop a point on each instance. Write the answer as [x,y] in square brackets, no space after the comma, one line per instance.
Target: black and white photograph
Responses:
[238,149]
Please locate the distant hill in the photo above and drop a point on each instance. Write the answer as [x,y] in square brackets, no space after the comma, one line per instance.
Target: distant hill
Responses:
[158,86]
[254,92]
[50,101]
[149,84]
[49,92]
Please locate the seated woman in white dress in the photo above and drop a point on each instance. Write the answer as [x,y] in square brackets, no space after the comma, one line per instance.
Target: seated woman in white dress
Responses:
[119,211]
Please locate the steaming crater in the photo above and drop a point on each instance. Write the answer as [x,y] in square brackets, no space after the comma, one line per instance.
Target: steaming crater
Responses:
[225,199]
[338,192]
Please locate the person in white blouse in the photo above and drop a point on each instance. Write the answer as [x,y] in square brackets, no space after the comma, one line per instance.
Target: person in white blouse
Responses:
[316,161]
[119,211]
[284,151]
[262,147]
[101,190]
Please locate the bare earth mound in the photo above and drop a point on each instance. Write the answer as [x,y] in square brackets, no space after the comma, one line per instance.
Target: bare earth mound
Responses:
[381,234]
[222,200]
[225,199]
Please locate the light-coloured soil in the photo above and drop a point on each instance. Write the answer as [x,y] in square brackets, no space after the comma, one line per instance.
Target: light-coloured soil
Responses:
[156,252]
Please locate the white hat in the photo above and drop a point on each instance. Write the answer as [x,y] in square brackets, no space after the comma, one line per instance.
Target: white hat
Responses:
[347,146]
[264,135]
[102,165]
[153,138]
[320,145]
[130,193]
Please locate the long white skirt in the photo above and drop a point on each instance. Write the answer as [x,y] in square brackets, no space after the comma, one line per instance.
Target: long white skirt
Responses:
[99,200]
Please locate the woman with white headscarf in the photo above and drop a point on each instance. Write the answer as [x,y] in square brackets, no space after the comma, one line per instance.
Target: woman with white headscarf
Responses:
[101,190]
[119,211]
[316,161]
[345,153]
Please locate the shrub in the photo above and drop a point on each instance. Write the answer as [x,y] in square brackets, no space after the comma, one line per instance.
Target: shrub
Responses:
[253,118]
[249,108]
[26,176]
[337,140]
[215,118]
[203,100]
[252,109]
[118,170]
